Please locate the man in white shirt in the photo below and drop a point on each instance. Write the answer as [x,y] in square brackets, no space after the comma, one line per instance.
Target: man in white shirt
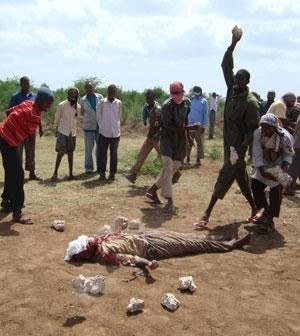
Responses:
[65,121]
[108,115]
[213,108]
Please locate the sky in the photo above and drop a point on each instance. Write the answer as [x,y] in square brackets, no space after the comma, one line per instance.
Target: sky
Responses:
[138,44]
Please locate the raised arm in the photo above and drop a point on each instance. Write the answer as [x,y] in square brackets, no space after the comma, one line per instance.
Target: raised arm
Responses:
[227,63]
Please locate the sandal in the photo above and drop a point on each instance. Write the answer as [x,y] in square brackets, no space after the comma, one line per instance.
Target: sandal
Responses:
[22,219]
[260,219]
[154,198]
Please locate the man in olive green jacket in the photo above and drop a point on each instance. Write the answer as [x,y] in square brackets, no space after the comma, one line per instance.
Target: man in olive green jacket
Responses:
[241,118]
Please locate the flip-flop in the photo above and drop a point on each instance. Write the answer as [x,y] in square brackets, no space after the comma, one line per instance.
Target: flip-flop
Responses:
[154,198]
[201,224]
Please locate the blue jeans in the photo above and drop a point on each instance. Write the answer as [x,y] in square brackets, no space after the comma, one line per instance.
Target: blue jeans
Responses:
[90,139]
[113,144]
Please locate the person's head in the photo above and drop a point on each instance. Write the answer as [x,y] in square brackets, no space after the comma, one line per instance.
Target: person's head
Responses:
[269,124]
[271,95]
[25,84]
[298,99]
[197,91]
[73,95]
[177,92]
[111,92]
[44,99]
[214,95]
[241,80]
[89,88]
[289,99]
[150,97]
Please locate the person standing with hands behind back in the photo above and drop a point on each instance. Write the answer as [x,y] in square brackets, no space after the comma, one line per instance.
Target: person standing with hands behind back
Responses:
[109,111]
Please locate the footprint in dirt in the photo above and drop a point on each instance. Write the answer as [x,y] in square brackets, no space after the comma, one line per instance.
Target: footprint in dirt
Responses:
[71,321]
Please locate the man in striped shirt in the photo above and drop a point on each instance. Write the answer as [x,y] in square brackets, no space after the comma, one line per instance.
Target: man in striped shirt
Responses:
[22,121]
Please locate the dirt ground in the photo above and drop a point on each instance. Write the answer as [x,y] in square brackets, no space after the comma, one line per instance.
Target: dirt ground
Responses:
[254,292]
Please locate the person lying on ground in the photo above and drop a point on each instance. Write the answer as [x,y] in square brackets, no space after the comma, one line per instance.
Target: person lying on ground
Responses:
[144,249]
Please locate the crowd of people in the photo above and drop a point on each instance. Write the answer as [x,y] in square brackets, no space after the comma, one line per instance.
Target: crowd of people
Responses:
[268,131]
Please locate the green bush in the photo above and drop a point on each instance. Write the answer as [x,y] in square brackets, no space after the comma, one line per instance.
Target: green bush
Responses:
[215,152]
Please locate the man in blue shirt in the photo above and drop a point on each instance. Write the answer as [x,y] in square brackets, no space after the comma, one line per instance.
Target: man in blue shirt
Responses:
[29,143]
[198,115]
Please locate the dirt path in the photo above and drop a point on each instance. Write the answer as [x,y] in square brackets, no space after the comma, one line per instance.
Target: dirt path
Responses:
[251,292]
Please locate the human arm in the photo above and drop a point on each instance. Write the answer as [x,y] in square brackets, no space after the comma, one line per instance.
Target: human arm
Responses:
[251,123]
[58,115]
[136,261]
[204,116]
[145,114]
[99,110]
[41,131]
[227,62]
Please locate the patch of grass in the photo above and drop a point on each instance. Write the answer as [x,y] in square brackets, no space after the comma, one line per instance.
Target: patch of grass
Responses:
[151,166]
[215,152]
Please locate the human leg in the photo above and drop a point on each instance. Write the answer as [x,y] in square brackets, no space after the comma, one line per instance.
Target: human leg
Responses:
[103,147]
[212,120]
[199,138]
[29,145]
[142,156]
[89,141]
[113,148]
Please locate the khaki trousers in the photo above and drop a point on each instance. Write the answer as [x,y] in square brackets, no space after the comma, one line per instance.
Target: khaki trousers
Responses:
[164,180]
[145,150]
[199,138]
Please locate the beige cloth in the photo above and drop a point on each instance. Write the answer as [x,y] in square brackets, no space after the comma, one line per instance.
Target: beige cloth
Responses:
[127,244]
[66,118]
[145,150]
[199,138]
[278,108]
[164,180]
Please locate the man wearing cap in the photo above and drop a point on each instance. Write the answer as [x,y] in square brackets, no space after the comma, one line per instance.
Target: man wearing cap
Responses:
[197,115]
[22,121]
[65,121]
[272,146]
[151,112]
[241,118]
[88,105]
[174,132]
[29,143]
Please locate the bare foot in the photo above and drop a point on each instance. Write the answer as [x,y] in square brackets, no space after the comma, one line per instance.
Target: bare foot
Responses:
[201,223]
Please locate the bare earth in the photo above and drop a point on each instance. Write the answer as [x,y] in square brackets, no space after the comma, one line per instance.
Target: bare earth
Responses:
[250,292]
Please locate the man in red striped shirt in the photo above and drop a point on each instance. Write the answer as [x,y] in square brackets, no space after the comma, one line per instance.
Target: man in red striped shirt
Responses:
[22,121]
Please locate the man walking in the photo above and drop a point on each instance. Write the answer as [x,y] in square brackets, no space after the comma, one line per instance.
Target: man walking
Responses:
[88,105]
[29,142]
[151,112]
[241,118]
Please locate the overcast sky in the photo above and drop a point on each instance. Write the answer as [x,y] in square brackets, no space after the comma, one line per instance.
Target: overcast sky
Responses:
[140,44]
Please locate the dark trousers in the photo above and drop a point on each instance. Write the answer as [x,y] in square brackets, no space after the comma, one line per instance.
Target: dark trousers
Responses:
[230,173]
[275,197]
[212,120]
[113,144]
[29,145]
[13,176]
